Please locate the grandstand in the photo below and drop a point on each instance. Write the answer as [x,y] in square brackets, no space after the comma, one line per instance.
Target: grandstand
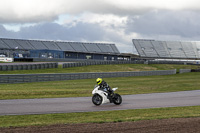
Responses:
[18,48]
[155,49]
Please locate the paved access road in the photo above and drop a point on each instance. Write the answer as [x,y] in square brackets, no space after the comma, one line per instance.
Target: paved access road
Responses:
[84,104]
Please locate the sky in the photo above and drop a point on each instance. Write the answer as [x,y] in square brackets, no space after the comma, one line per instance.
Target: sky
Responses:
[104,21]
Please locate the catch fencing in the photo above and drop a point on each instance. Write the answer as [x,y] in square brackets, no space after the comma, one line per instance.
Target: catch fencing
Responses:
[25,78]
[28,66]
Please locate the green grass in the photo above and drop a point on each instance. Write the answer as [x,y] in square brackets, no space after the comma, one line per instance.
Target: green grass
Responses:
[100,117]
[82,88]
[104,68]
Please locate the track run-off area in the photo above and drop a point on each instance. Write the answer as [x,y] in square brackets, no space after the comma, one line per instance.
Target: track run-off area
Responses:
[84,104]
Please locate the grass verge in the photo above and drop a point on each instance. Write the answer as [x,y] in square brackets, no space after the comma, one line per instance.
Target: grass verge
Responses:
[104,68]
[100,117]
[82,88]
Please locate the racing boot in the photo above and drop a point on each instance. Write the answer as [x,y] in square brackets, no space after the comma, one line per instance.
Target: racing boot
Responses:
[110,96]
[111,93]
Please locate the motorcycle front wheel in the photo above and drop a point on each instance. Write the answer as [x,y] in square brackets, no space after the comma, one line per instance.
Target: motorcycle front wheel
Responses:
[97,99]
[117,99]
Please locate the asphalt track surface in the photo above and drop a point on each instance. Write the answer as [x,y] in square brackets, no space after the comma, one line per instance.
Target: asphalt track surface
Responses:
[84,104]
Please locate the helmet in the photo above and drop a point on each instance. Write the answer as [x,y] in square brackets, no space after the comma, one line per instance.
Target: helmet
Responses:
[99,80]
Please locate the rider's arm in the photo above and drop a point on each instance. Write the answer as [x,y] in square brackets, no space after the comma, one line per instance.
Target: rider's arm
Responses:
[100,87]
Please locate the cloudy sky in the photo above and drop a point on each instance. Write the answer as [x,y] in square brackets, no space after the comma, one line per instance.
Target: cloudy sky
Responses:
[110,21]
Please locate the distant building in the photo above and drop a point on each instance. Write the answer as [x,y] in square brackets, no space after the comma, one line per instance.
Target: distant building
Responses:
[18,48]
[155,49]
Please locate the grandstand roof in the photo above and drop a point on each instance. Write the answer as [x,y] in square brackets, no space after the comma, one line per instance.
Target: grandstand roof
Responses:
[167,49]
[58,45]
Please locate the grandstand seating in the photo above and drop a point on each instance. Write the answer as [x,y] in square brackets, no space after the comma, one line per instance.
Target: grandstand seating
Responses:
[25,44]
[65,46]
[148,48]
[12,44]
[3,45]
[198,49]
[167,49]
[51,45]
[105,48]
[78,47]
[175,49]
[37,44]
[139,48]
[114,48]
[160,46]
[58,45]
[188,48]
[92,47]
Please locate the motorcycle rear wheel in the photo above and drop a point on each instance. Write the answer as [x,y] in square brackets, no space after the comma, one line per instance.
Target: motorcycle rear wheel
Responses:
[97,99]
[117,99]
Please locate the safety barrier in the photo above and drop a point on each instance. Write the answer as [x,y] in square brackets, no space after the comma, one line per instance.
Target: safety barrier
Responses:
[28,66]
[24,78]
[184,70]
[87,63]
[166,62]
[78,64]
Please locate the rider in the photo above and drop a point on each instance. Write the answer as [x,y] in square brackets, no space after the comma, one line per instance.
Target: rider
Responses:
[104,86]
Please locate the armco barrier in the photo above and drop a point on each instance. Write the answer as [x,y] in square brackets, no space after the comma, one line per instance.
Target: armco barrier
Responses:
[184,70]
[87,63]
[24,78]
[28,66]
[166,62]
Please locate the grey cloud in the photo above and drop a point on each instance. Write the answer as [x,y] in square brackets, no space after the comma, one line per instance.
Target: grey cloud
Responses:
[49,10]
[80,32]
[180,23]
[74,8]
[11,19]
[53,31]
[4,33]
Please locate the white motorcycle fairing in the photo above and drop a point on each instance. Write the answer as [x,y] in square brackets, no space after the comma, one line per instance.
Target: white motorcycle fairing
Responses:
[103,94]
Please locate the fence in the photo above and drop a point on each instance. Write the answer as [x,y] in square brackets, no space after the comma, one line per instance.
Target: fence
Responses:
[28,66]
[24,78]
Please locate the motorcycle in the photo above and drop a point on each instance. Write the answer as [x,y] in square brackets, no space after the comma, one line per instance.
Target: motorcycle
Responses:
[101,97]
